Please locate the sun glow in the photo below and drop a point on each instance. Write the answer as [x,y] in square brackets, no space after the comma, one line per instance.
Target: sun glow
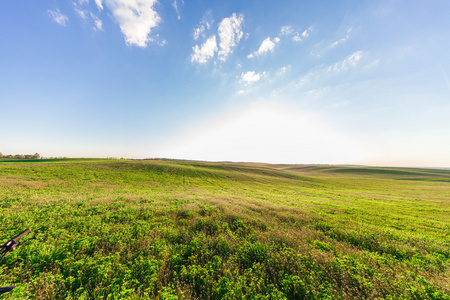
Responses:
[264,131]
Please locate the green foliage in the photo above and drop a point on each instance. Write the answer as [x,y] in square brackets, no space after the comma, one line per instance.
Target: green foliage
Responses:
[115,229]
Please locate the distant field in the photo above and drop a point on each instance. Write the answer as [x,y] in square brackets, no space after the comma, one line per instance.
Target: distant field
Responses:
[117,229]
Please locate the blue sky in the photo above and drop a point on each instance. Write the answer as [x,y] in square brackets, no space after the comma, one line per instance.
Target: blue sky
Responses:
[357,82]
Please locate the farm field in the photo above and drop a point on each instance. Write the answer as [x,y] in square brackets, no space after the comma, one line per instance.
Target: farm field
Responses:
[161,229]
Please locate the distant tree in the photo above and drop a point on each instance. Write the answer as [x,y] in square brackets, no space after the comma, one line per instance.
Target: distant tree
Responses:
[1,155]
[19,156]
[36,156]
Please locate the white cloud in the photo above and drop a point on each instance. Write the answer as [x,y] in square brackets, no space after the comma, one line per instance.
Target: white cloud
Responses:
[204,25]
[99,4]
[136,19]
[58,17]
[296,36]
[334,44]
[205,52]
[266,46]
[230,33]
[350,61]
[250,77]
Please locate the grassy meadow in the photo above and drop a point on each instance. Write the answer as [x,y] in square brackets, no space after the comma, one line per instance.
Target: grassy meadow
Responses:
[157,229]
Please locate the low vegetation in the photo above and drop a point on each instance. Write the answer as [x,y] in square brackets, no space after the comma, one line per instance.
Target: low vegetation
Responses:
[117,229]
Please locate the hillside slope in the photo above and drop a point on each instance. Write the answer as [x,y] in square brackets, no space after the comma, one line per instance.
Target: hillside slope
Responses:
[115,229]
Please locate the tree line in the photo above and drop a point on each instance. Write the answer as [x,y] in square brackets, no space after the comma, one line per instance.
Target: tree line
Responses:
[21,156]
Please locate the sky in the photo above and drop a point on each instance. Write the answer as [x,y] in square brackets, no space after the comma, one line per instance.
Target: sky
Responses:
[301,82]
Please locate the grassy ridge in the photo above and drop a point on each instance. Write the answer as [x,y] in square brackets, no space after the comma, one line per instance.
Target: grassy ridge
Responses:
[192,230]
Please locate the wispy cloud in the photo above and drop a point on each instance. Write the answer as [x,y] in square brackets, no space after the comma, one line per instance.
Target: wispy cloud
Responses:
[58,17]
[177,7]
[322,72]
[159,41]
[446,79]
[136,19]
[350,61]
[81,8]
[201,54]
[230,33]
[281,71]
[342,40]
[99,4]
[98,24]
[83,14]
[204,25]
[295,35]
[286,30]
[266,46]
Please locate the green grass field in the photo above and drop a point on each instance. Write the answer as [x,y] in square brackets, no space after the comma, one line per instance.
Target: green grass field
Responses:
[117,229]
